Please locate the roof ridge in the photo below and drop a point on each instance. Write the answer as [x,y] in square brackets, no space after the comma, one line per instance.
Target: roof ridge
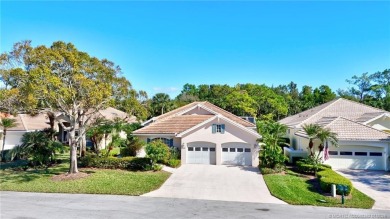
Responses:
[340,117]
[334,101]
[384,111]
[230,113]
[180,109]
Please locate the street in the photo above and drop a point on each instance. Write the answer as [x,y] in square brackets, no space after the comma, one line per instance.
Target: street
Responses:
[40,205]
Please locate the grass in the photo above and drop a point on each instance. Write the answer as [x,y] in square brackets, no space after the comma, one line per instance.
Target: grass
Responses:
[297,190]
[118,182]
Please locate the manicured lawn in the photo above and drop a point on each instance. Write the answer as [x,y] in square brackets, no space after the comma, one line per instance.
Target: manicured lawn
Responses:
[298,190]
[118,182]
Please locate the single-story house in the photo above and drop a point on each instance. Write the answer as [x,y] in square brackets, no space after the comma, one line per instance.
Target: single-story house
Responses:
[26,123]
[363,133]
[205,134]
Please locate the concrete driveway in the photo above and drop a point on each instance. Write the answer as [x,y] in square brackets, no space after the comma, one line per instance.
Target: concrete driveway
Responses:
[375,184]
[212,182]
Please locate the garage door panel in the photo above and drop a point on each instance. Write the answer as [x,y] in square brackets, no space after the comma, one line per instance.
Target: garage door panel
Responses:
[200,155]
[236,155]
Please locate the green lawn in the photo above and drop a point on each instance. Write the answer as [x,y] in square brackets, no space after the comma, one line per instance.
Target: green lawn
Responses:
[118,182]
[298,190]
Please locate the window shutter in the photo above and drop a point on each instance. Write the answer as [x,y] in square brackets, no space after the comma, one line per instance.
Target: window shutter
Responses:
[148,140]
[171,142]
[214,128]
[222,128]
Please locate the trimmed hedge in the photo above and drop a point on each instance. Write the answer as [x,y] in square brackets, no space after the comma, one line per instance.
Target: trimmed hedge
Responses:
[328,177]
[126,163]
[304,167]
[173,163]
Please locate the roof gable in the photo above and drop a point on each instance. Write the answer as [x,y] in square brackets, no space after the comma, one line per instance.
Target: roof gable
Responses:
[350,130]
[188,116]
[337,108]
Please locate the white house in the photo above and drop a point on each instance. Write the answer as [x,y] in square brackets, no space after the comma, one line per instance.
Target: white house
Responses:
[362,132]
[26,123]
[205,134]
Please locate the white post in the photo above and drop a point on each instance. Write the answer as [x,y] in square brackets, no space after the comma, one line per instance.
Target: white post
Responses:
[333,190]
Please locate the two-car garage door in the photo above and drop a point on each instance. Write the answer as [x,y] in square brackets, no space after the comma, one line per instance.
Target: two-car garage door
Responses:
[231,154]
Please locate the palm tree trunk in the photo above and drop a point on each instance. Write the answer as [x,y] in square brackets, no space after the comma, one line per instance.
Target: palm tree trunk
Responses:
[3,145]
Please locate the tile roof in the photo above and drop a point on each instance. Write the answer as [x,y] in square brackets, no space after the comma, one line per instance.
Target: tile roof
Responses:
[350,130]
[339,107]
[174,124]
[25,122]
[175,121]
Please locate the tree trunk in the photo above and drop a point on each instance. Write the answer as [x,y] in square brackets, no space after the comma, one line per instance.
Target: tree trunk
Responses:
[311,146]
[3,145]
[73,150]
[83,141]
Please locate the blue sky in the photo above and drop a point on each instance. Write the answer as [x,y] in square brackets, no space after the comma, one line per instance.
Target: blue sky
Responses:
[160,46]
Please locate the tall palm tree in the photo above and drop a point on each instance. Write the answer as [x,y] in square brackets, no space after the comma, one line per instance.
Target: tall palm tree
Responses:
[161,102]
[325,134]
[6,123]
[312,131]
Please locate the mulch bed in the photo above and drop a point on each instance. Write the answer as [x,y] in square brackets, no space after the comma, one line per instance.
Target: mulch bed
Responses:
[67,176]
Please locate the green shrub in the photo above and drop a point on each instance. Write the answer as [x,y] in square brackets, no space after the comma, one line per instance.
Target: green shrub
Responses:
[132,147]
[157,151]
[173,163]
[304,166]
[126,163]
[175,153]
[328,177]
[276,169]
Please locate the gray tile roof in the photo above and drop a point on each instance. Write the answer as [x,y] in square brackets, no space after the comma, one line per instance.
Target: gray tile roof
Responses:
[337,108]
[350,130]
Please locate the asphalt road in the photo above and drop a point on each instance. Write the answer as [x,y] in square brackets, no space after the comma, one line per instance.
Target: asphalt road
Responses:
[38,205]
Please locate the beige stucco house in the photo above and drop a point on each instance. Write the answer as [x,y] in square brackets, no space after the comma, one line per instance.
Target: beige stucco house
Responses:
[205,134]
[364,140]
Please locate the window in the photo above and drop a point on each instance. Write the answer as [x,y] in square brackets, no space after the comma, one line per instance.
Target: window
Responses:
[224,150]
[360,153]
[333,153]
[197,149]
[240,149]
[232,150]
[212,149]
[205,149]
[218,128]
[247,150]
[375,154]
[190,149]
[347,153]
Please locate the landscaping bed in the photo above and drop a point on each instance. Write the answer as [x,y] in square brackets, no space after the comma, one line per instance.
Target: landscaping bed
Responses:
[300,189]
[89,181]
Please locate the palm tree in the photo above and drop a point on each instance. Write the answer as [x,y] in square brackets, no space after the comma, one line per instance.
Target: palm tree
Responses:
[161,102]
[325,134]
[6,123]
[312,131]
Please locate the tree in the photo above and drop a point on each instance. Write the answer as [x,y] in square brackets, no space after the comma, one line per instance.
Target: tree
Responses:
[271,154]
[65,80]
[6,123]
[240,103]
[161,103]
[323,94]
[312,131]
[363,84]
[306,98]
[325,134]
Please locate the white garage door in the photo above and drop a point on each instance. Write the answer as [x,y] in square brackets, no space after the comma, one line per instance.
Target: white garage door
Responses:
[347,159]
[201,155]
[236,156]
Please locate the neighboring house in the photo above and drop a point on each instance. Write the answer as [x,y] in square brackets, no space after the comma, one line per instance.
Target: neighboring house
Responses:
[27,123]
[24,123]
[362,132]
[205,134]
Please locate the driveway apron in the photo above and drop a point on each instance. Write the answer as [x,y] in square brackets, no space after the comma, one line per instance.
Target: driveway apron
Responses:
[375,184]
[216,182]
